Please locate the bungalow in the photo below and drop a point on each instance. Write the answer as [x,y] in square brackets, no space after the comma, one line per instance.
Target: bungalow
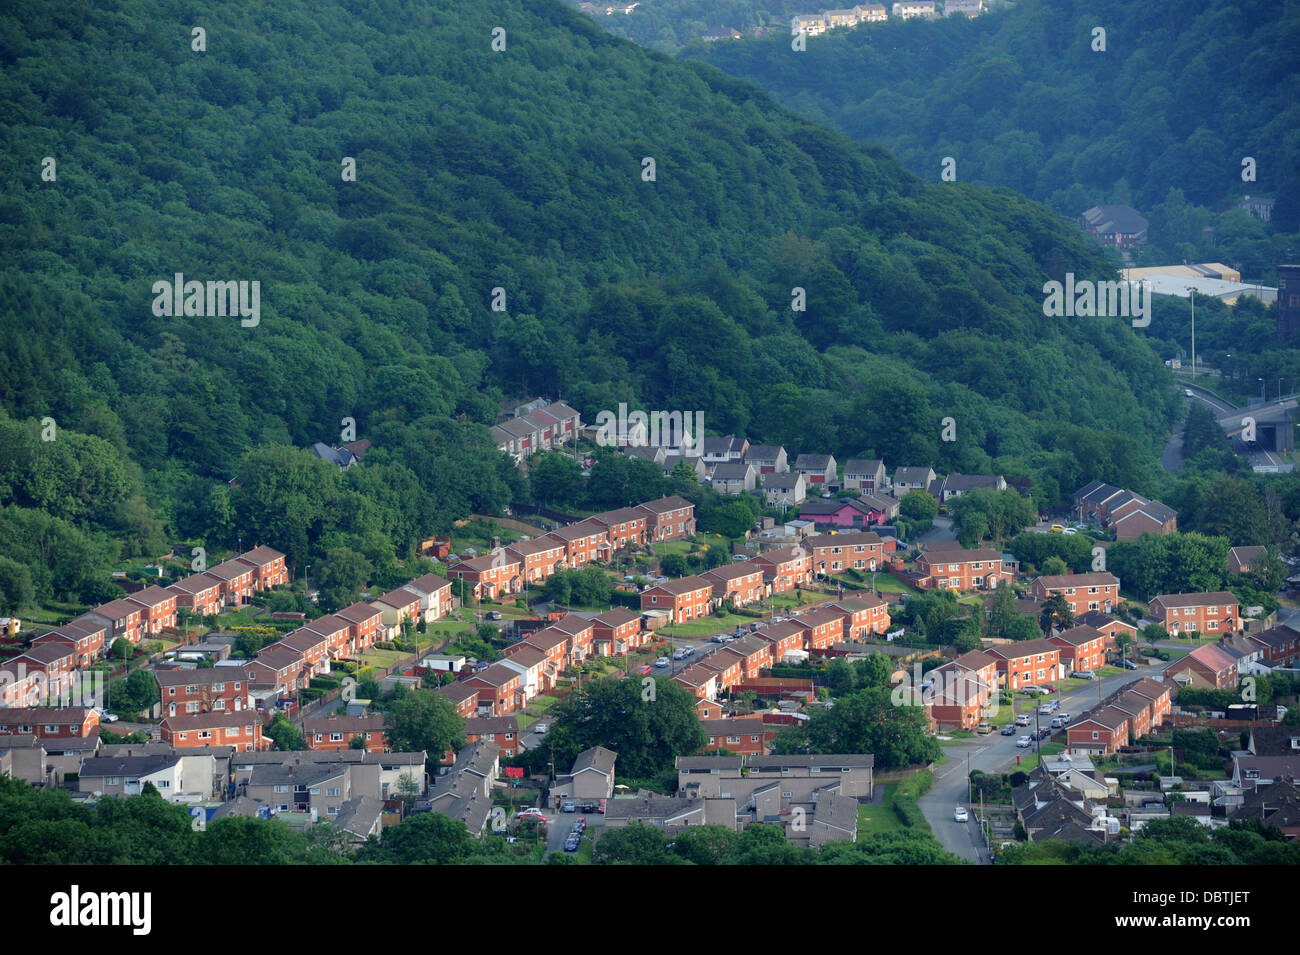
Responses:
[741,583]
[819,469]
[1083,592]
[850,512]
[955,485]
[866,474]
[159,609]
[200,594]
[687,598]
[1214,612]
[1208,666]
[669,518]
[338,732]
[768,458]
[785,568]
[784,489]
[1082,648]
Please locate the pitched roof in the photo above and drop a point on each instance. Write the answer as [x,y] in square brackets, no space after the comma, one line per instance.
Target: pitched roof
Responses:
[598,758]
[1065,581]
[682,585]
[1078,636]
[1211,599]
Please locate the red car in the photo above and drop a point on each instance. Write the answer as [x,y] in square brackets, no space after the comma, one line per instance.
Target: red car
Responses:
[643,669]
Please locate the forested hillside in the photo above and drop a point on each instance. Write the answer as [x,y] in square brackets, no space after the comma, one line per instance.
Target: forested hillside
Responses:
[519,169]
[1161,119]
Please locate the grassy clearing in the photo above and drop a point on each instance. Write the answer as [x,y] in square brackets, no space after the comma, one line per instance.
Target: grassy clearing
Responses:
[880,818]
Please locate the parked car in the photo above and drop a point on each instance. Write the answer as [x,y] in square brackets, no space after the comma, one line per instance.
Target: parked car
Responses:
[960,814]
[1045,709]
[532,815]
[494,614]
[1187,393]
[1083,675]
[108,717]
[1057,723]
[1022,719]
[587,807]
[643,669]
[569,806]
[1064,718]
[662,662]
[1058,528]
[1009,730]
[1024,742]
[681,653]
[540,728]
[1044,733]
[1069,530]
[571,844]
[1128,664]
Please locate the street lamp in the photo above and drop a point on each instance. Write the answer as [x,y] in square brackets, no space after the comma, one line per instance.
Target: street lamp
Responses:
[1261,389]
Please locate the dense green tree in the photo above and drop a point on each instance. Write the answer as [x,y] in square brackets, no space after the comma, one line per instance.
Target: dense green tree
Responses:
[417,720]
[285,733]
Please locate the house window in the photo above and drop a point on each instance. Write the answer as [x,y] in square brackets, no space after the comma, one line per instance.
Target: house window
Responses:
[333,791]
[205,734]
[192,688]
[319,737]
[171,691]
[282,789]
[51,729]
[191,707]
[112,780]
[332,810]
[185,736]
[733,739]
[315,792]
[1095,735]
[163,783]
[335,737]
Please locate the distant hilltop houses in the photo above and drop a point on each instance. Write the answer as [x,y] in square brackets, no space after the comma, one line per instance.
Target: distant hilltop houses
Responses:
[815,24]
[607,9]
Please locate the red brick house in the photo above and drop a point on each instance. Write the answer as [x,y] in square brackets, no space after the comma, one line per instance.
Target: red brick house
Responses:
[625,527]
[498,689]
[365,625]
[583,542]
[687,598]
[185,692]
[1160,694]
[822,628]
[200,594]
[1027,663]
[399,606]
[159,609]
[44,722]
[236,581]
[753,654]
[85,637]
[462,696]
[957,568]
[501,730]
[435,596]
[863,614]
[1281,646]
[1242,560]
[242,730]
[739,582]
[268,565]
[1106,624]
[582,635]
[337,732]
[124,619]
[334,630]
[1101,731]
[55,661]
[1082,648]
[1083,592]
[617,631]
[958,698]
[729,668]
[312,645]
[741,735]
[1209,666]
[784,636]
[1139,709]
[836,553]
[491,575]
[785,568]
[1215,612]
[669,518]
[701,680]
[538,558]
[278,668]
[554,644]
